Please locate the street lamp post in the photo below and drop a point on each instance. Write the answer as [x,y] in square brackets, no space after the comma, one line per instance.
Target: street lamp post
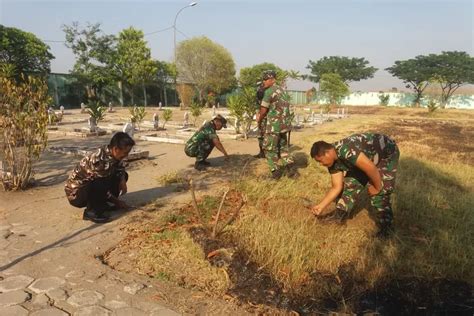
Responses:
[192,4]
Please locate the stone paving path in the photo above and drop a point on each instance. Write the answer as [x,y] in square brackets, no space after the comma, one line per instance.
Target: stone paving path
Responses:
[54,279]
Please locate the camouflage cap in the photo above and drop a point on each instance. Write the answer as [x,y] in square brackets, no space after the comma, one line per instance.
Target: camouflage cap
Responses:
[222,119]
[268,74]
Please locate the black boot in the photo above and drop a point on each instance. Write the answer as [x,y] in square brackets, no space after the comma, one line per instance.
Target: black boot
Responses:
[277,174]
[206,163]
[385,232]
[94,216]
[291,171]
[200,166]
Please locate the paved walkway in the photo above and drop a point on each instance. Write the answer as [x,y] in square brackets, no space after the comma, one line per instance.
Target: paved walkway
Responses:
[63,277]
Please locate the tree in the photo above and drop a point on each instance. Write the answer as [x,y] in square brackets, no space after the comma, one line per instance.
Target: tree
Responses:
[133,60]
[23,122]
[23,53]
[94,53]
[165,74]
[137,115]
[186,94]
[242,106]
[333,88]
[349,69]
[196,111]
[207,65]
[167,115]
[384,99]
[416,74]
[251,75]
[451,70]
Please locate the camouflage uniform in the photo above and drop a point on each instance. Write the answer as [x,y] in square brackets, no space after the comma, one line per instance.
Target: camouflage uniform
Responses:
[201,143]
[384,153]
[277,127]
[95,179]
[263,123]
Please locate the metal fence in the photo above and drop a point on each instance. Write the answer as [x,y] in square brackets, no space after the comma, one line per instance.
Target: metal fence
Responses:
[68,91]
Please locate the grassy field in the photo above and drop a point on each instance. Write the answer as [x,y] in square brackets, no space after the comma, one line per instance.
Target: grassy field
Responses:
[298,263]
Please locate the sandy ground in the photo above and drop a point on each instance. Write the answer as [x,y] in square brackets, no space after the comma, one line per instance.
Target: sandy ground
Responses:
[45,237]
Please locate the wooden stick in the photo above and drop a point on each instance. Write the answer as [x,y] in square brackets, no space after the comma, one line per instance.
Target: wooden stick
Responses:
[219,213]
[193,195]
[234,217]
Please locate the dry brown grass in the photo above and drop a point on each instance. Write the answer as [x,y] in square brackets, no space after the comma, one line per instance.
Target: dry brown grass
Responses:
[433,207]
[433,214]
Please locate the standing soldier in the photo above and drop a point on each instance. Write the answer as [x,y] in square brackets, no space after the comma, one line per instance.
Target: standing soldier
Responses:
[203,141]
[275,107]
[353,162]
[263,122]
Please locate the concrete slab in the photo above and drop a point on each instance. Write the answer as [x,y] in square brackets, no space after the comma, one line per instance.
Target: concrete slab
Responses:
[14,283]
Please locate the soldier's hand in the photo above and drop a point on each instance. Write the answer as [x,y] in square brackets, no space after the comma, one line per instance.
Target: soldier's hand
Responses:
[372,190]
[123,187]
[317,210]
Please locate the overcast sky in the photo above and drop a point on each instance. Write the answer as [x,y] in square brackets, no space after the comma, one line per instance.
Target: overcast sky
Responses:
[286,33]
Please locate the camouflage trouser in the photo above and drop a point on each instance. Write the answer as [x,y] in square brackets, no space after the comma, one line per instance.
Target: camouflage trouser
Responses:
[199,150]
[261,132]
[276,146]
[354,183]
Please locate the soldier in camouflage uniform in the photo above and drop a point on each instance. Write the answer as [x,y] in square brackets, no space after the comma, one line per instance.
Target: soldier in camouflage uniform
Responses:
[100,177]
[263,122]
[275,107]
[354,162]
[204,140]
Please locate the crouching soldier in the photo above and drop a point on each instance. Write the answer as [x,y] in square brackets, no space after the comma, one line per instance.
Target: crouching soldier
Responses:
[100,178]
[354,162]
[203,141]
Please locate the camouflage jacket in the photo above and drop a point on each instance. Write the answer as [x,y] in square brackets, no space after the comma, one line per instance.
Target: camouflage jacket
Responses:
[99,164]
[279,116]
[206,133]
[374,146]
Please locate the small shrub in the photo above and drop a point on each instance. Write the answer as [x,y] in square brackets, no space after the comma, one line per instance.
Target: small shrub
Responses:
[96,111]
[167,115]
[432,106]
[384,99]
[23,123]
[196,111]
[137,114]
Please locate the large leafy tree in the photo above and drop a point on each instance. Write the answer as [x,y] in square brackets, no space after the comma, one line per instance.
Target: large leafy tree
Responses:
[22,53]
[249,76]
[133,59]
[451,70]
[94,53]
[207,65]
[349,69]
[415,73]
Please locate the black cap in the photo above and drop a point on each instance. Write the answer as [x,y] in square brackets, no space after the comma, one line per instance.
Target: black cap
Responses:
[268,74]
[222,119]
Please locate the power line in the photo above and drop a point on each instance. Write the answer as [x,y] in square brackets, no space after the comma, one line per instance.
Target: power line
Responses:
[162,30]
[146,34]
[182,33]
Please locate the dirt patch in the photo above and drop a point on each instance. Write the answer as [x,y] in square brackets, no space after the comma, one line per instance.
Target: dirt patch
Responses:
[443,136]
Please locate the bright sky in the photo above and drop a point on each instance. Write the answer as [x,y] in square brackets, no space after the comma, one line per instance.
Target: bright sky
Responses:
[286,33]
